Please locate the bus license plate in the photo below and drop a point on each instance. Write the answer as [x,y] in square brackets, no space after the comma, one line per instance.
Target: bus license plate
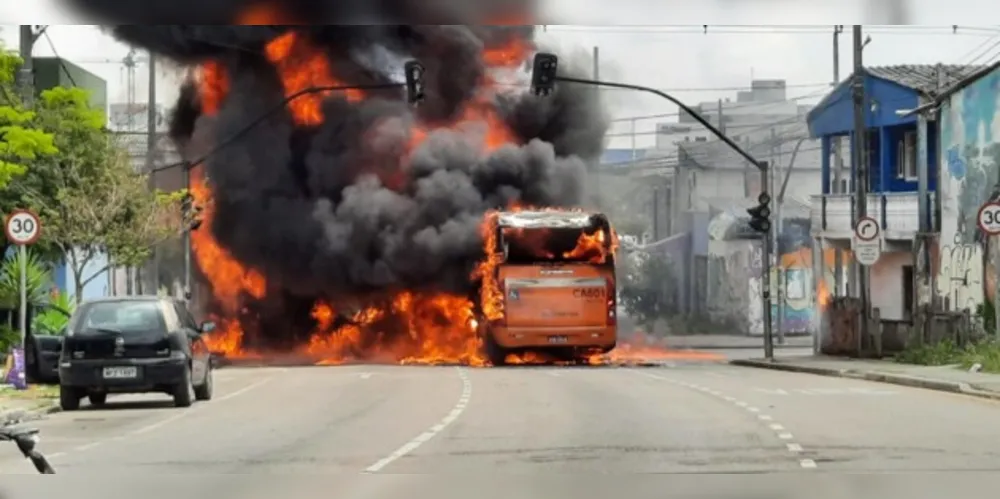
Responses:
[121,372]
[558,340]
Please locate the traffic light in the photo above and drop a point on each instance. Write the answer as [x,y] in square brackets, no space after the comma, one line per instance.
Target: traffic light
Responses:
[760,215]
[543,74]
[414,81]
[190,212]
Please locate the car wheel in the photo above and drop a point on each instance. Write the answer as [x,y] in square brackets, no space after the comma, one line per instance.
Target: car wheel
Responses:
[204,390]
[183,392]
[69,398]
[98,399]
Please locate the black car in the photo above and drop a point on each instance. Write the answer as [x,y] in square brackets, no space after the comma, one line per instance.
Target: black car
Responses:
[134,344]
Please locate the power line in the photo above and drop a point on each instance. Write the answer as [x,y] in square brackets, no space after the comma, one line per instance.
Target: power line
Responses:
[764,29]
[738,105]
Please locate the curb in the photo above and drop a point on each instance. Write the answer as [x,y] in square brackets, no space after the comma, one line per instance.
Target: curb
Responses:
[27,415]
[879,377]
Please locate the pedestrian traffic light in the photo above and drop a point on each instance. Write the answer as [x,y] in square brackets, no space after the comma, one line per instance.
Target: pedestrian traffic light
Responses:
[414,82]
[543,74]
[760,215]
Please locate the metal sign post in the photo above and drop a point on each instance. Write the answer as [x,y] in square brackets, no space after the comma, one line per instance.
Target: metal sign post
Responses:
[23,228]
[867,242]
[988,220]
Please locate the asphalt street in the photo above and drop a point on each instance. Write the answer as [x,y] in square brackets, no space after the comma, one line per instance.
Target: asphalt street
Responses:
[359,422]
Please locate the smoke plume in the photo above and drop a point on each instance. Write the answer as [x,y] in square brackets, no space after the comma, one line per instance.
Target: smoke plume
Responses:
[349,206]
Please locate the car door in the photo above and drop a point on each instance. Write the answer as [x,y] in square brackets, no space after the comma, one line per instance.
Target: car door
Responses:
[199,350]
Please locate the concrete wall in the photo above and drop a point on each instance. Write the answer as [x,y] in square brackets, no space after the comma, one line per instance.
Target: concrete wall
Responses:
[969,173]
[98,287]
[887,284]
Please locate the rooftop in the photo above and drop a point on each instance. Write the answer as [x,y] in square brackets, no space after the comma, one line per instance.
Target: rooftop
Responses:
[927,79]
[547,220]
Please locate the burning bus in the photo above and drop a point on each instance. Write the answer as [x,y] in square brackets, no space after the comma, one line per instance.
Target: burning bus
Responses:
[548,285]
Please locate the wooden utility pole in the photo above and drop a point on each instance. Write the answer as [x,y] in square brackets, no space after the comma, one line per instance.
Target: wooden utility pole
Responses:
[151,126]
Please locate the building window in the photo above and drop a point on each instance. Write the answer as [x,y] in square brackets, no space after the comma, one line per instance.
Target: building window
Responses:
[908,286]
[906,156]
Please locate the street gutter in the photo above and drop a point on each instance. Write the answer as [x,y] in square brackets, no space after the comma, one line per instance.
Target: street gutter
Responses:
[876,376]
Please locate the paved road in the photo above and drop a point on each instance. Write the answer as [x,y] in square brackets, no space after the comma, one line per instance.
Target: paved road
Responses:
[685,417]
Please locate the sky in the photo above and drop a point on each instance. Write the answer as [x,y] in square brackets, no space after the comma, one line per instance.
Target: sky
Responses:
[680,57]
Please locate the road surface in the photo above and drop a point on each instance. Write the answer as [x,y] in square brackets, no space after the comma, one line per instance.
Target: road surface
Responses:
[360,422]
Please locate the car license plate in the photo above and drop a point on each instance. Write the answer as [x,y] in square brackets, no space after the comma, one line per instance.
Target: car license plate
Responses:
[558,340]
[121,372]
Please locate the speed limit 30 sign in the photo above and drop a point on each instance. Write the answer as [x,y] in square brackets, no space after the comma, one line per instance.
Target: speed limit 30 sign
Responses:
[22,227]
[989,218]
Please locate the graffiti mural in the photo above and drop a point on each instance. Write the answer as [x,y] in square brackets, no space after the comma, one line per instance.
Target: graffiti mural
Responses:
[970,174]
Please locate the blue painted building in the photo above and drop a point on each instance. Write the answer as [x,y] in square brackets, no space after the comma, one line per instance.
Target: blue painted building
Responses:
[900,143]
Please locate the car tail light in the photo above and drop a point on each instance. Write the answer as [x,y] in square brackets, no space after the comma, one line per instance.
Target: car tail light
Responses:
[612,302]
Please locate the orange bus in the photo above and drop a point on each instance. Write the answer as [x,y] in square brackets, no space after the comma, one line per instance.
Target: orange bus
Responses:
[557,278]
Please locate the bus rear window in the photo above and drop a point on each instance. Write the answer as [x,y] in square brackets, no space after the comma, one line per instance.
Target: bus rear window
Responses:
[526,246]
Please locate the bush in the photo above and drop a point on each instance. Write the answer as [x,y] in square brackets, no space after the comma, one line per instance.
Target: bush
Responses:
[647,290]
[986,354]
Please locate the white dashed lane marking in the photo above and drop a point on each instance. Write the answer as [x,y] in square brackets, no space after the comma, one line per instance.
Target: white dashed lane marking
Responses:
[780,432]
[412,445]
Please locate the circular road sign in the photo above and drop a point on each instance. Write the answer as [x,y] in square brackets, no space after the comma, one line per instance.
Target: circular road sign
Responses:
[866,229]
[989,218]
[22,227]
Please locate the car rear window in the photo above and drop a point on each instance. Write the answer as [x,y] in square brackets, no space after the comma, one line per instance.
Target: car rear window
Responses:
[128,317]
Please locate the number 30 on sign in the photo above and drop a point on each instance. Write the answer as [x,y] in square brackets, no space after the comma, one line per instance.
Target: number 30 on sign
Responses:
[22,227]
[989,218]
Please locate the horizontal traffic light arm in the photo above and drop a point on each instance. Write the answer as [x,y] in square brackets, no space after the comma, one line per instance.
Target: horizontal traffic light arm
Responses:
[711,128]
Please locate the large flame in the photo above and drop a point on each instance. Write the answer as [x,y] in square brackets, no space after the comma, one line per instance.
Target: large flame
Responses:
[441,328]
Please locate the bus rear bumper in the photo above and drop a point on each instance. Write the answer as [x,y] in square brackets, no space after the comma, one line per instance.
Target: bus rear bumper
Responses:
[601,338]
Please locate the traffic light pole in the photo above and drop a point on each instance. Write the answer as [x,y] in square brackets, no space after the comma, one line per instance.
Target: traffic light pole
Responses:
[543,85]
[765,272]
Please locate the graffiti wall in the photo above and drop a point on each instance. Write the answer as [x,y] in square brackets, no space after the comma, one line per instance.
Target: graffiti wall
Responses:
[970,164]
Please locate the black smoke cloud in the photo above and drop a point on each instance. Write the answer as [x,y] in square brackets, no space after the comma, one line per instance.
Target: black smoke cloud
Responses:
[340,209]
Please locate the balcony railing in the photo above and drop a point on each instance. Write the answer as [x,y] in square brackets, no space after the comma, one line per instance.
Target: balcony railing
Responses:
[896,212]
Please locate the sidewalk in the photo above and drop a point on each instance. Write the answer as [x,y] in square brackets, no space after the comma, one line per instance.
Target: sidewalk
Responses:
[942,378]
[15,405]
[735,342]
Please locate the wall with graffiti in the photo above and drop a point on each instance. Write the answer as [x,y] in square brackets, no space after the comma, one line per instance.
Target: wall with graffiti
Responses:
[970,164]
[734,269]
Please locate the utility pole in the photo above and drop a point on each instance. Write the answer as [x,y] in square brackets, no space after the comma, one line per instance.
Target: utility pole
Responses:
[838,167]
[780,285]
[26,76]
[860,159]
[151,127]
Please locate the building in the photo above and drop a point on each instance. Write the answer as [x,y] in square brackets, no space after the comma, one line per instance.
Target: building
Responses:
[705,198]
[969,159]
[896,151]
[51,72]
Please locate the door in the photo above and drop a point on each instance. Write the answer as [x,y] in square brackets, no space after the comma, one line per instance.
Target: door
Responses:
[199,351]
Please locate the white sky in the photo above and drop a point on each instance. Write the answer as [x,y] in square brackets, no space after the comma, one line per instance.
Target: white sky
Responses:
[672,57]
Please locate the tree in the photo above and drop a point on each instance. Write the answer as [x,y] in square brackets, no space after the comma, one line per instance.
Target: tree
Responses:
[646,292]
[21,143]
[90,200]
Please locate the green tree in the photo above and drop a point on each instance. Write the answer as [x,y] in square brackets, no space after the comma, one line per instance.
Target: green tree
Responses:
[91,201]
[647,289]
[21,142]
